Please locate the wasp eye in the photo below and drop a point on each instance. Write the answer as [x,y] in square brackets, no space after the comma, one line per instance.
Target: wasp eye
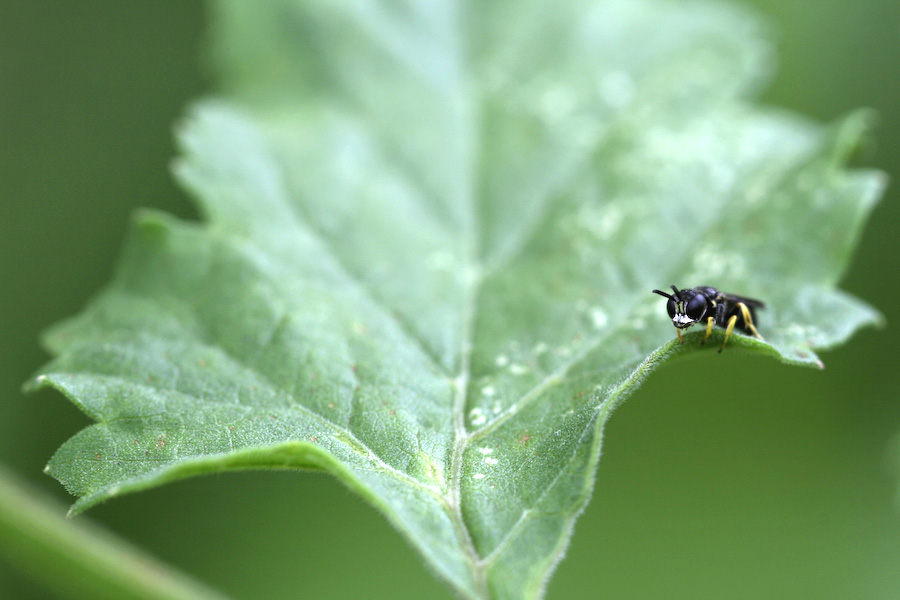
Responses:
[670,306]
[696,307]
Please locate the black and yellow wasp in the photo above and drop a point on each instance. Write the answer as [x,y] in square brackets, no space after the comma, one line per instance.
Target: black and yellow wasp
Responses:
[709,305]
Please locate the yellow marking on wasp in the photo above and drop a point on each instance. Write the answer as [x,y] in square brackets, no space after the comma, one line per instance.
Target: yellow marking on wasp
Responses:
[728,330]
[710,321]
[748,320]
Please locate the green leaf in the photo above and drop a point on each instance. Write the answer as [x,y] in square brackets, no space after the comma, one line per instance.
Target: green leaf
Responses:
[431,234]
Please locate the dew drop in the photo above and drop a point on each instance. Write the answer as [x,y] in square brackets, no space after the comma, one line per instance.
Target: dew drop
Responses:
[598,317]
[517,369]
[477,416]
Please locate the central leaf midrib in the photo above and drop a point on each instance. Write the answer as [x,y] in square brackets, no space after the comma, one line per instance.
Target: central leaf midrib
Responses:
[472,280]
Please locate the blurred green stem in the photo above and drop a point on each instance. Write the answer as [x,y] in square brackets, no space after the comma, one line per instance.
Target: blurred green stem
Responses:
[77,560]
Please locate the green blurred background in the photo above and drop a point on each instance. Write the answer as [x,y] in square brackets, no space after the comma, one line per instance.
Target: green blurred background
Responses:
[753,480]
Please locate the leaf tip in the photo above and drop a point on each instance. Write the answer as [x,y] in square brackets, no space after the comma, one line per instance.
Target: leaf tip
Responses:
[151,221]
[81,505]
[853,134]
[34,384]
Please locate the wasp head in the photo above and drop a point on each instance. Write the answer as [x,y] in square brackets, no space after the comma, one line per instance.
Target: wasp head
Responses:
[685,307]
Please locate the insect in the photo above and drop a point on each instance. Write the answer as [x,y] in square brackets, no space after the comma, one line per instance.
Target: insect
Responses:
[709,305]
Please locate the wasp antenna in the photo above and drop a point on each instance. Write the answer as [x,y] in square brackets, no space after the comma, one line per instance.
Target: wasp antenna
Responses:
[675,289]
[669,296]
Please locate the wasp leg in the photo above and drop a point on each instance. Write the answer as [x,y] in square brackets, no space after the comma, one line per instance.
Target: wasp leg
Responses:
[710,321]
[728,331]
[748,320]
[680,339]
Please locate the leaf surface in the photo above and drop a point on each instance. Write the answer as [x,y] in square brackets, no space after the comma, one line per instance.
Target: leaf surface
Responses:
[431,232]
